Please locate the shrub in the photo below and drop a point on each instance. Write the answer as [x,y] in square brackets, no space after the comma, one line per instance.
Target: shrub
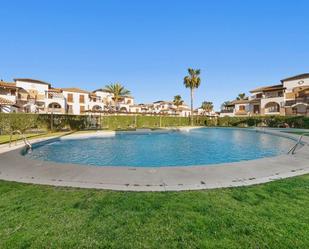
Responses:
[23,121]
[17,121]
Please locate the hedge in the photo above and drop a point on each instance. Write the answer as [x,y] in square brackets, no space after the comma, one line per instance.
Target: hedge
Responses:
[23,122]
[138,121]
[268,121]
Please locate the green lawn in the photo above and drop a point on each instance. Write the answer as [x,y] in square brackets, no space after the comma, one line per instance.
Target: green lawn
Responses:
[6,138]
[273,215]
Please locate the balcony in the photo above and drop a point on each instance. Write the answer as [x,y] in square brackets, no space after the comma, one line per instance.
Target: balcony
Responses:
[54,95]
[95,99]
[241,112]
[227,111]
[303,100]
[8,96]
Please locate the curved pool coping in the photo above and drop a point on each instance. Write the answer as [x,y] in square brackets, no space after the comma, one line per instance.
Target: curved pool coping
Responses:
[15,167]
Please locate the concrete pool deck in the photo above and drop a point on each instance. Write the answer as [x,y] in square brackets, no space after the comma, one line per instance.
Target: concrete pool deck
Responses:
[15,167]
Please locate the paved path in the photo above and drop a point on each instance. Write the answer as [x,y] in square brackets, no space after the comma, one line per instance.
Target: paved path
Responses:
[15,167]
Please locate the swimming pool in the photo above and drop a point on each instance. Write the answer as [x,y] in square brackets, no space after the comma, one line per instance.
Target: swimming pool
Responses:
[204,146]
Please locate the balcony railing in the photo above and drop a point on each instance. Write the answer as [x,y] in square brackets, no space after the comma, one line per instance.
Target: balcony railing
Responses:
[272,96]
[227,111]
[297,101]
[241,112]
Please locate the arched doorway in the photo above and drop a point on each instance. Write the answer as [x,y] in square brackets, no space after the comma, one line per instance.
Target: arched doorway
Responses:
[123,109]
[54,107]
[272,107]
[300,109]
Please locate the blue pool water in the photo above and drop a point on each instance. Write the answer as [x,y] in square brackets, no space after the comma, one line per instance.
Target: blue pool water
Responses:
[198,147]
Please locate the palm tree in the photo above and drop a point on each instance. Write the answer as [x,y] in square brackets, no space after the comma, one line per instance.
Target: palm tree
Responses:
[192,81]
[207,106]
[118,91]
[177,101]
[241,96]
[224,104]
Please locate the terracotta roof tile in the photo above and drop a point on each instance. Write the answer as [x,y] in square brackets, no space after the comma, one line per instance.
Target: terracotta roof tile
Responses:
[297,77]
[57,90]
[75,89]
[7,84]
[268,88]
[240,101]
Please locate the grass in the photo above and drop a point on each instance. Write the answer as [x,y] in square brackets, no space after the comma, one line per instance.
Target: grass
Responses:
[273,215]
[6,138]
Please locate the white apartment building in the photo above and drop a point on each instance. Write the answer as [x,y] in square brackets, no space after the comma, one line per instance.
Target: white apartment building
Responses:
[167,108]
[77,100]
[290,97]
[124,103]
[7,97]
[201,112]
[36,96]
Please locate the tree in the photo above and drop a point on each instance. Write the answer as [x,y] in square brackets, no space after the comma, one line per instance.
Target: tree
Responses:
[207,106]
[226,103]
[241,96]
[118,91]
[177,101]
[192,81]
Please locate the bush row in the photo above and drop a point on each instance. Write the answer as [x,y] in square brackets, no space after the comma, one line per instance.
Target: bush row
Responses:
[268,121]
[127,122]
[21,121]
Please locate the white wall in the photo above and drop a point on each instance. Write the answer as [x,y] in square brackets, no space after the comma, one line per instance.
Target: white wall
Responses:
[129,99]
[105,96]
[97,103]
[289,85]
[227,114]
[135,109]
[278,100]
[41,88]
[9,97]
[60,101]
[237,107]
[76,105]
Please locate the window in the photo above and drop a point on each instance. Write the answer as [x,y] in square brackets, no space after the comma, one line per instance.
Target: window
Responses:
[256,109]
[70,97]
[82,109]
[70,109]
[242,108]
[81,99]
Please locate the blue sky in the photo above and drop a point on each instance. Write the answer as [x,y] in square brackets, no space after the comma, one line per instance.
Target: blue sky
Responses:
[148,45]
